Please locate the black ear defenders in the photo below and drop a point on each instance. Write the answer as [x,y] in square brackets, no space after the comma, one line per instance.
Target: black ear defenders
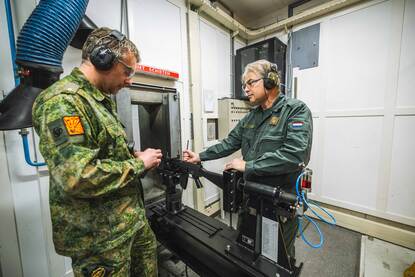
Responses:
[272,79]
[102,57]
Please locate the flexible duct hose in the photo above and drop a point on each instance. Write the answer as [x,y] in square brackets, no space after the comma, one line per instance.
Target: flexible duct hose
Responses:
[48,31]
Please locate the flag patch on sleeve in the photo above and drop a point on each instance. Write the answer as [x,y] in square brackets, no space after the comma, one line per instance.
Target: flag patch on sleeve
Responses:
[297,124]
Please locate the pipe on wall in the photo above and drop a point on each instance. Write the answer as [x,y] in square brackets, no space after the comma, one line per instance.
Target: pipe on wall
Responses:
[204,6]
[12,43]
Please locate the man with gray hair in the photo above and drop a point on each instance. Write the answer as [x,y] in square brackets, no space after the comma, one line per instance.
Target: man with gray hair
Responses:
[275,139]
[96,202]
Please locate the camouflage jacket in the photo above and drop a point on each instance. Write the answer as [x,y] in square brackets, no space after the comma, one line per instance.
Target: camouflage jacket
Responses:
[273,142]
[94,200]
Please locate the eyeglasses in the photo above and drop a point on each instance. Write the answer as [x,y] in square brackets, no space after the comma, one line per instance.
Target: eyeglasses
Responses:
[250,83]
[128,70]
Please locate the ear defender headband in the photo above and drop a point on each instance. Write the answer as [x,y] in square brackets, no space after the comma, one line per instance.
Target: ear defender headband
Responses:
[272,79]
[102,57]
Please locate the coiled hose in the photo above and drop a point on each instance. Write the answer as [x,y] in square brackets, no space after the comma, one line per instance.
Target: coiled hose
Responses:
[48,31]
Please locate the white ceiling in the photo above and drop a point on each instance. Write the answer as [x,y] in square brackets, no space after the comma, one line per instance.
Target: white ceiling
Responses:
[257,13]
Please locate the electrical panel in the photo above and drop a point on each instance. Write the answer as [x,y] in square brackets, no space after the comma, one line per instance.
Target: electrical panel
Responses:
[231,111]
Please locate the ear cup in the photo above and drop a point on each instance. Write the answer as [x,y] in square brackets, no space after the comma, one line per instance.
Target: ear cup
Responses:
[269,83]
[102,58]
[272,79]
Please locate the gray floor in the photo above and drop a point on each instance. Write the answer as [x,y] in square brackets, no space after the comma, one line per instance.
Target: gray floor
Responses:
[339,256]
[170,266]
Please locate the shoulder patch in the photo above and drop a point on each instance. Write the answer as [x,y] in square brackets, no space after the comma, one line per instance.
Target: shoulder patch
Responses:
[58,132]
[73,125]
[70,86]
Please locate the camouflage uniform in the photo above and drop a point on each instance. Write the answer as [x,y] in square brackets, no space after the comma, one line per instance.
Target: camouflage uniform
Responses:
[95,203]
[273,143]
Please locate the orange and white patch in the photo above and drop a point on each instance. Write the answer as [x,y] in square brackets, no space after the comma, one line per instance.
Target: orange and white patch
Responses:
[73,125]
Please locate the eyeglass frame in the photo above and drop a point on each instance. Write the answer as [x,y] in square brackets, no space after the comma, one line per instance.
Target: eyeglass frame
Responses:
[129,68]
[250,83]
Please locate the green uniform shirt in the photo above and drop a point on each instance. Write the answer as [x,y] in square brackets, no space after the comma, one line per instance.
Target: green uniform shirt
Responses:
[273,142]
[94,201]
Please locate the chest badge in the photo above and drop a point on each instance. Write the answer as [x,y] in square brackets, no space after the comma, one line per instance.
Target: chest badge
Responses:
[73,125]
[274,120]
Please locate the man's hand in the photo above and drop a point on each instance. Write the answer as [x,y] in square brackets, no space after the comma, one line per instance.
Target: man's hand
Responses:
[191,157]
[151,157]
[237,164]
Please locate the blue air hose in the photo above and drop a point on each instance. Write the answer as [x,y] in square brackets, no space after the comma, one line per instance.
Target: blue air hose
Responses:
[27,151]
[302,199]
[48,31]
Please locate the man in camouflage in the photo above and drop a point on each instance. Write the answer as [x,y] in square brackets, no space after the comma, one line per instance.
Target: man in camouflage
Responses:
[275,138]
[96,206]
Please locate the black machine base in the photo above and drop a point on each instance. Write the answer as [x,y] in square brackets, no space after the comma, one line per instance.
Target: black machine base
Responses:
[208,246]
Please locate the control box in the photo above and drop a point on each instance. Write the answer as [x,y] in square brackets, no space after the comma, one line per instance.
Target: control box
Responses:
[231,111]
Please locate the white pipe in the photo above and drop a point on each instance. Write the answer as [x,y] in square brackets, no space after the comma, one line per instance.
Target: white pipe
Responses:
[250,34]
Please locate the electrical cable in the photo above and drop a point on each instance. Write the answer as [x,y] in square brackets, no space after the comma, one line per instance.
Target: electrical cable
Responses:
[309,203]
[302,199]
[318,230]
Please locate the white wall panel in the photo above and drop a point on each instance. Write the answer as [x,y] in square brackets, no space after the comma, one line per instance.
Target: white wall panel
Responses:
[105,13]
[224,68]
[215,62]
[362,97]
[94,10]
[9,245]
[310,85]
[216,83]
[406,81]
[315,163]
[209,66]
[71,58]
[351,159]
[357,72]
[28,208]
[402,188]
[155,26]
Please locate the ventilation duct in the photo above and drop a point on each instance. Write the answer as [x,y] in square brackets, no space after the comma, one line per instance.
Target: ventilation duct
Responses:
[40,48]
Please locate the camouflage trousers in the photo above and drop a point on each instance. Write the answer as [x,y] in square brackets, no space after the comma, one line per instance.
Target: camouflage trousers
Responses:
[135,257]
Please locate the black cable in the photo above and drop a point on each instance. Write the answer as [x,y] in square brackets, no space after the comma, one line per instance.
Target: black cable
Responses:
[187,275]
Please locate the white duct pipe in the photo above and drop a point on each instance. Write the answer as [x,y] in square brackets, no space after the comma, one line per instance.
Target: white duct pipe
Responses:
[204,6]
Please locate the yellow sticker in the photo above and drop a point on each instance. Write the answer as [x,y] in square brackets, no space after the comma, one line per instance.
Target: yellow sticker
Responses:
[98,272]
[274,120]
[73,125]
